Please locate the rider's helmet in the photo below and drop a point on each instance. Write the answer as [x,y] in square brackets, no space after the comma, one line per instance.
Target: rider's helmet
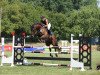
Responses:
[43,18]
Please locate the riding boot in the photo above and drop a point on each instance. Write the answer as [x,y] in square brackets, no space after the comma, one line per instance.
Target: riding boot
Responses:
[49,32]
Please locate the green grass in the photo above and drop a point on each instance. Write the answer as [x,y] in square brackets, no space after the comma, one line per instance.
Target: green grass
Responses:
[47,70]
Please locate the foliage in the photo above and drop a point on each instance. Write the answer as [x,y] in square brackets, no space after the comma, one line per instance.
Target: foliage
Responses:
[85,21]
[66,16]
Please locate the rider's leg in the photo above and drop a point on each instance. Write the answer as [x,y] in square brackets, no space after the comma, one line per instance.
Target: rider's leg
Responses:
[50,32]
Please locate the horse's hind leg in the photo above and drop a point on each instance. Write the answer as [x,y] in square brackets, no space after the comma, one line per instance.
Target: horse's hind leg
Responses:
[50,53]
[56,53]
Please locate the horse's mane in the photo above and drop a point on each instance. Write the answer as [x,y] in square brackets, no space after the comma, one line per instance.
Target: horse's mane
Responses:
[39,25]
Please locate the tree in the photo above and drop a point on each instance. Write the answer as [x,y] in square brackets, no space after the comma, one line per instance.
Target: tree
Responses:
[66,16]
[85,21]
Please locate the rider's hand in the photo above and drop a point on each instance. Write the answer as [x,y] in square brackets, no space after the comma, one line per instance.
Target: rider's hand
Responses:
[45,26]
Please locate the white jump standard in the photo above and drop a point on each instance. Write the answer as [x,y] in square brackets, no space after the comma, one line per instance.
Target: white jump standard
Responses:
[6,60]
[74,63]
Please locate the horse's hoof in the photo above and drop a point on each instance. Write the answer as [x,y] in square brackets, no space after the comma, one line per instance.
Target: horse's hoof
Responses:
[98,67]
[56,55]
[51,56]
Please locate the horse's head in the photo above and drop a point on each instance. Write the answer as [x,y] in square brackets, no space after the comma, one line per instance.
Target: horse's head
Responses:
[35,28]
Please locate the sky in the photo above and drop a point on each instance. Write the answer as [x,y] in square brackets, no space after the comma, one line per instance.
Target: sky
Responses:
[98,3]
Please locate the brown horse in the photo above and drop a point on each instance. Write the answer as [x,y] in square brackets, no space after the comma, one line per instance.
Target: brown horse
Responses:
[42,32]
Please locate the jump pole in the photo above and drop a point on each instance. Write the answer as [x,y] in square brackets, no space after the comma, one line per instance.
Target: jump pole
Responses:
[46,64]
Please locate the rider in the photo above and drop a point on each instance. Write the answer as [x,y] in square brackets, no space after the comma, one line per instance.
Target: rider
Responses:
[46,23]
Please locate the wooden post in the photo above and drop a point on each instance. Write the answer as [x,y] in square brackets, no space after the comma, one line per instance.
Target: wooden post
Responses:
[0,19]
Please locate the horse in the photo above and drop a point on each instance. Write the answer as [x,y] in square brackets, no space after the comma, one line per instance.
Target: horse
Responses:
[39,30]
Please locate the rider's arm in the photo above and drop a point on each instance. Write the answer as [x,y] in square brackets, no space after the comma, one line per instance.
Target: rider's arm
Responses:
[46,25]
[46,22]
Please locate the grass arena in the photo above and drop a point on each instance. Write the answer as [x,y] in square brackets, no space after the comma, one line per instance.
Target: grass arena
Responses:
[49,37]
[42,63]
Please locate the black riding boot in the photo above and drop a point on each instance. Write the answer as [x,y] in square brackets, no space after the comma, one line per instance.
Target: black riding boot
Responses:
[49,31]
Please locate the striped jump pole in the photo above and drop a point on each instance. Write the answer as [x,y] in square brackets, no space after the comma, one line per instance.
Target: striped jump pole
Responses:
[2,51]
[48,58]
[42,52]
[31,49]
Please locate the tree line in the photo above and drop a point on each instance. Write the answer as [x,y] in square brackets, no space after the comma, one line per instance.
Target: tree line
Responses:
[66,16]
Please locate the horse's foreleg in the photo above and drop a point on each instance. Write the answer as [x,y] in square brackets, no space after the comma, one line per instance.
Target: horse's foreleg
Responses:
[50,53]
